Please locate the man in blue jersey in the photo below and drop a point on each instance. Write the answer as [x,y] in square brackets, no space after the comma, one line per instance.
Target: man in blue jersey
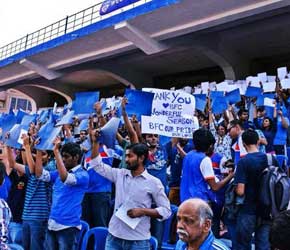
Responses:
[70,183]
[194,218]
[198,178]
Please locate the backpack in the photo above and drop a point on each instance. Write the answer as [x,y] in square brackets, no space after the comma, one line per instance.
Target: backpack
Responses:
[232,202]
[274,190]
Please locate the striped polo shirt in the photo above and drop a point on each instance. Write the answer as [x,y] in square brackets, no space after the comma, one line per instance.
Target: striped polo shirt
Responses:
[38,196]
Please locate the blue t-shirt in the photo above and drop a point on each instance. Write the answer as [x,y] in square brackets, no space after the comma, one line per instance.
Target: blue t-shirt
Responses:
[98,183]
[281,133]
[175,162]
[5,188]
[248,171]
[156,165]
[193,184]
[66,206]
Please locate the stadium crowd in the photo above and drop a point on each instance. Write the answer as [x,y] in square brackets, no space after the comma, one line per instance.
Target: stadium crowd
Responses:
[207,186]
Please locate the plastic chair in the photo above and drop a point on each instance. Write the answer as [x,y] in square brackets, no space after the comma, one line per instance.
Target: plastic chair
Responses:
[99,234]
[282,160]
[85,228]
[166,234]
[288,155]
[153,243]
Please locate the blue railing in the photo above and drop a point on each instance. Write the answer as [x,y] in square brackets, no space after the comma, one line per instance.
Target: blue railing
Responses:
[67,25]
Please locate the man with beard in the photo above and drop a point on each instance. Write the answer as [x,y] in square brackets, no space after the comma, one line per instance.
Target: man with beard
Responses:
[194,218]
[198,179]
[136,190]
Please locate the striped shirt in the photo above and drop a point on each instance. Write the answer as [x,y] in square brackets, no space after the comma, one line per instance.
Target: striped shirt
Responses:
[210,243]
[5,216]
[38,197]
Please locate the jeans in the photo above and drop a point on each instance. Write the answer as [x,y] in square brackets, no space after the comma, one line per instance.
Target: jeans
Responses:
[114,243]
[66,239]
[247,225]
[96,209]
[231,227]
[15,233]
[217,214]
[33,234]
[157,230]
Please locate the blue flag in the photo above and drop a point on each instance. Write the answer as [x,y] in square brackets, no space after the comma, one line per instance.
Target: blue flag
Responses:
[14,134]
[47,134]
[215,94]
[109,131]
[20,115]
[233,96]
[139,102]
[219,105]
[66,119]
[26,120]
[84,102]
[200,102]
[8,122]
[253,91]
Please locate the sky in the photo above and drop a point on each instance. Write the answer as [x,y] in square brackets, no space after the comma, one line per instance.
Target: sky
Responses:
[20,17]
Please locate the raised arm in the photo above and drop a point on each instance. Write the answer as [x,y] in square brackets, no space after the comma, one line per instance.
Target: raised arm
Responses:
[12,163]
[99,166]
[132,133]
[59,162]
[38,164]
[27,148]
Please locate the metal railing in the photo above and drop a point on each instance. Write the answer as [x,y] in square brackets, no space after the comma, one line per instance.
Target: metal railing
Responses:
[69,24]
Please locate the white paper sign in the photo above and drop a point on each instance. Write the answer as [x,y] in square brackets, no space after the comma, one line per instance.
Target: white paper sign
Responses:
[285,83]
[269,87]
[232,87]
[269,102]
[212,85]
[263,77]
[187,89]
[204,87]
[222,86]
[255,82]
[282,72]
[172,103]
[271,78]
[197,90]
[122,215]
[171,127]
[249,79]
[22,131]
[242,85]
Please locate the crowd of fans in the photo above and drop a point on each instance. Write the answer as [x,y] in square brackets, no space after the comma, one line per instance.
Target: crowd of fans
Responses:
[131,188]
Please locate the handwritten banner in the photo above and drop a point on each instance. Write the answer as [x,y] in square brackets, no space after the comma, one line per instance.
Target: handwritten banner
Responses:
[172,103]
[167,126]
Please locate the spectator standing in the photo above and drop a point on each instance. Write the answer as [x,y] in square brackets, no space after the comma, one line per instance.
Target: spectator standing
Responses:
[247,175]
[70,183]
[136,191]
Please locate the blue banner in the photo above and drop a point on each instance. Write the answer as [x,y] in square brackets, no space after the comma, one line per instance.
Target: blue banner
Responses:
[112,5]
[139,102]
[84,102]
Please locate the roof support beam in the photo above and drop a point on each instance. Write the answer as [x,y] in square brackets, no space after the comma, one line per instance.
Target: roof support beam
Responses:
[39,69]
[139,38]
